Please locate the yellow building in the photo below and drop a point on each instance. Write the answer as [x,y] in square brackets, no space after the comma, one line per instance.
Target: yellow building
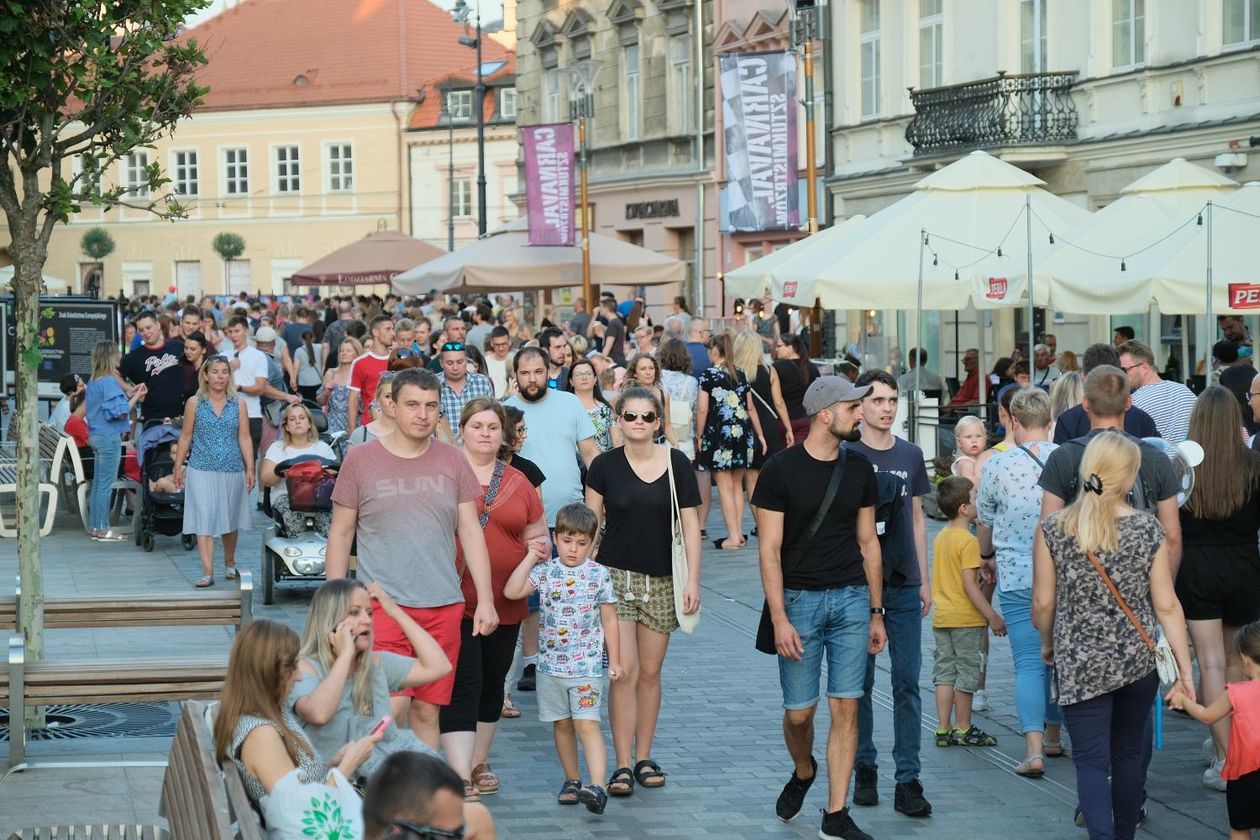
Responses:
[300,146]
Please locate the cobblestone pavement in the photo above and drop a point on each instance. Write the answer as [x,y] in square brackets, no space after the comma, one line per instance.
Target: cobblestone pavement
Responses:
[719,737]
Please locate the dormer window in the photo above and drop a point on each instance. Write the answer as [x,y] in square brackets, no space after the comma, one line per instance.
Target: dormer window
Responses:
[459,105]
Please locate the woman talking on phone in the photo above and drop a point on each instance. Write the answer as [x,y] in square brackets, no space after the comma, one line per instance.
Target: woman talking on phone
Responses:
[343,687]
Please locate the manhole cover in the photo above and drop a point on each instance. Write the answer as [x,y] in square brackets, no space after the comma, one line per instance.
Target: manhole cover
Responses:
[107,721]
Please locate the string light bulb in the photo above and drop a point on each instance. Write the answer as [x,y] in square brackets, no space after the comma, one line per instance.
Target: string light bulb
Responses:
[935,260]
[1200,222]
[999,251]
[955,275]
[1052,238]
[1123,267]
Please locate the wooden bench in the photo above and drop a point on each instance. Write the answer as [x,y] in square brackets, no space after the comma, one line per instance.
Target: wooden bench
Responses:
[8,486]
[56,682]
[200,800]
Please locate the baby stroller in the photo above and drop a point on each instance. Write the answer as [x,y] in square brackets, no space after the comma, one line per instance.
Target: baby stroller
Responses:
[300,556]
[160,513]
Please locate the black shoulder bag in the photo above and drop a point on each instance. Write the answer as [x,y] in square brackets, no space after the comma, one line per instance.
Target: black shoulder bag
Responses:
[765,630]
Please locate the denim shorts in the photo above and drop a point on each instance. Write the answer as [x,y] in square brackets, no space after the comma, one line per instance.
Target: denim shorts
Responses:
[836,622]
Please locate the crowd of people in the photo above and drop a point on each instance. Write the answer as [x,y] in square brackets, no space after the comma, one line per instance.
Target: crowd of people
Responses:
[560,485]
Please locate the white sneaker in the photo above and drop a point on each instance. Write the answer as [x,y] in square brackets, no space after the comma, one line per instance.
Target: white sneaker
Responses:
[1208,753]
[1212,776]
[980,701]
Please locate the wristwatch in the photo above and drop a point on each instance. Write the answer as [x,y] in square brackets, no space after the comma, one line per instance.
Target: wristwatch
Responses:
[880,611]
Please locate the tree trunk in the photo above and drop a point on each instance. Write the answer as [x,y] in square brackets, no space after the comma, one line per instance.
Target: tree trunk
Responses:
[28,265]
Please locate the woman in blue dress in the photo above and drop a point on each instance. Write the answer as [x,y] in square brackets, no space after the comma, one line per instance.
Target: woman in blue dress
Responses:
[731,428]
[218,475]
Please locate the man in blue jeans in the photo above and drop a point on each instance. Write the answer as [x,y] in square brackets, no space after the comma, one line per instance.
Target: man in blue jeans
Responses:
[820,567]
[907,595]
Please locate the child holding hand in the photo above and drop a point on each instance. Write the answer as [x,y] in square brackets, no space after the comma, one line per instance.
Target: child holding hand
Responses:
[960,618]
[1242,758]
[579,615]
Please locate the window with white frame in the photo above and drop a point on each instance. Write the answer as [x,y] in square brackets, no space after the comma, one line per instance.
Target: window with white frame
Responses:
[461,198]
[236,171]
[459,103]
[931,26]
[90,168]
[135,179]
[185,172]
[1241,23]
[551,96]
[288,167]
[1128,33]
[868,47]
[507,104]
[340,167]
[1032,36]
[630,91]
[680,83]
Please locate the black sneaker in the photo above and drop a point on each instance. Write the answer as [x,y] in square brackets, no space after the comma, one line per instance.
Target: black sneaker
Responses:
[529,679]
[838,825]
[908,799]
[864,786]
[793,796]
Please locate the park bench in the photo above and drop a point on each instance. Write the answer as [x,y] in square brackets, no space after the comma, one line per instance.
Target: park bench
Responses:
[200,799]
[92,832]
[58,682]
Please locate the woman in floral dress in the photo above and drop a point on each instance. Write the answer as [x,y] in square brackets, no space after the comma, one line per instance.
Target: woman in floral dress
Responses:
[731,428]
[584,382]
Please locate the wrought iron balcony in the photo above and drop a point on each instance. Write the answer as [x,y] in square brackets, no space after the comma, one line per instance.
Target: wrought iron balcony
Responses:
[1006,110]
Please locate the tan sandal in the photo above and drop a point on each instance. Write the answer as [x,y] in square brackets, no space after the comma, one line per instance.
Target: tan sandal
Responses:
[485,779]
[509,709]
[471,794]
[1028,770]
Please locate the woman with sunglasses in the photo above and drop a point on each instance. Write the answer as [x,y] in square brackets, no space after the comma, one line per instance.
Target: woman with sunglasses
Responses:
[730,429]
[297,438]
[511,516]
[644,371]
[628,488]
[216,500]
[584,382]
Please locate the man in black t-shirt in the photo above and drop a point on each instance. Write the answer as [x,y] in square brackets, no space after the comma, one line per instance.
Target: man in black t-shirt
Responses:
[155,363]
[824,588]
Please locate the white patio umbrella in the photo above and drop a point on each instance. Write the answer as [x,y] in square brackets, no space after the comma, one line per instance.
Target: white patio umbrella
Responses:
[505,261]
[755,278]
[1109,264]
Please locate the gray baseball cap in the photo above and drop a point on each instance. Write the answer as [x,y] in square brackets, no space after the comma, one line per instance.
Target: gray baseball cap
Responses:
[826,391]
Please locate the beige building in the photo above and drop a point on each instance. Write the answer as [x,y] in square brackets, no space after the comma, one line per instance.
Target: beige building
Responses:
[1088,95]
[300,147]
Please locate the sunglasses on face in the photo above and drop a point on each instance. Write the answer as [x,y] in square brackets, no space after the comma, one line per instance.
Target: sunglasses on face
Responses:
[631,416]
[404,829]
[408,352]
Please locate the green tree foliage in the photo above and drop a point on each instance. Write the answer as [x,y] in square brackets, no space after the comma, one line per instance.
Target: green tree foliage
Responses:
[97,243]
[228,245]
[94,81]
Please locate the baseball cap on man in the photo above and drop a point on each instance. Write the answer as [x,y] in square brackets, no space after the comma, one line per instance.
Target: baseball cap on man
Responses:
[826,391]
[265,335]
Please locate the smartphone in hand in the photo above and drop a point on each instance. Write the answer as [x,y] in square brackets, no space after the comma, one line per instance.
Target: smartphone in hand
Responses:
[380,727]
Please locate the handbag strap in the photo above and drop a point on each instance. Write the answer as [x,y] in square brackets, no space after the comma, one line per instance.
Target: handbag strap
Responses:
[496,478]
[675,525]
[814,524]
[1115,593]
[1028,452]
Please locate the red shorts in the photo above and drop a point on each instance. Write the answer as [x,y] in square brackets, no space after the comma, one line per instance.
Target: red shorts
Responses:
[442,623]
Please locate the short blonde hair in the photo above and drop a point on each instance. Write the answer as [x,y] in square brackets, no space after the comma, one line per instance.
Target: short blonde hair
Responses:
[311,434]
[964,422]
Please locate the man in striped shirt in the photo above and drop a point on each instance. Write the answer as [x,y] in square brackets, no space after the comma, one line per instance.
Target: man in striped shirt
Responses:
[1169,403]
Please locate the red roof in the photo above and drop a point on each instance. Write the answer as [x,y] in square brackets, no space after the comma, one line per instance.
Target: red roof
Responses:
[287,53]
[428,114]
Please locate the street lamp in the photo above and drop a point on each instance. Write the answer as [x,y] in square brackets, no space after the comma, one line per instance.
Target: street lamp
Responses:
[582,108]
[804,31]
[460,13]
[450,170]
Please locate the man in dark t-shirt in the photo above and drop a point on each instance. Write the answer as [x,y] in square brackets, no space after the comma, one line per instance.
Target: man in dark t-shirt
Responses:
[156,363]
[821,587]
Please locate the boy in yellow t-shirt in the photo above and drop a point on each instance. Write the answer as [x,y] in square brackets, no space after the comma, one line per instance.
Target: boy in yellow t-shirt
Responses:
[961,615]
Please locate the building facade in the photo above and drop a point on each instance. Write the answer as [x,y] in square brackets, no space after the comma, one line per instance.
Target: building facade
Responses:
[651,137]
[300,147]
[1088,95]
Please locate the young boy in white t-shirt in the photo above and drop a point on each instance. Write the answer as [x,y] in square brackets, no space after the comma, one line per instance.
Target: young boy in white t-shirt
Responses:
[579,615]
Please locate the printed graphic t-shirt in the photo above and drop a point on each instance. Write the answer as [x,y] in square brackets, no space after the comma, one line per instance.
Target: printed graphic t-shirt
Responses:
[570,636]
[408,513]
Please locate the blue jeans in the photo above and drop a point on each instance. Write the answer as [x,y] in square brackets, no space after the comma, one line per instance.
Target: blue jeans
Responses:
[832,621]
[1111,734]
[904,625]
[1032,676]
[107,451]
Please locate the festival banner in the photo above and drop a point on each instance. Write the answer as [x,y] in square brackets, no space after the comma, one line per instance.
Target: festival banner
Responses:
[549,202]
[759,117]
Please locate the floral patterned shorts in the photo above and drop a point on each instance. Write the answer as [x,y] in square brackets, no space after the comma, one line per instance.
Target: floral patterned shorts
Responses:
[647,599]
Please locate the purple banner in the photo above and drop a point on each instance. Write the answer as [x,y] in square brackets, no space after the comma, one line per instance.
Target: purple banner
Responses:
[549,202]
[759,121]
